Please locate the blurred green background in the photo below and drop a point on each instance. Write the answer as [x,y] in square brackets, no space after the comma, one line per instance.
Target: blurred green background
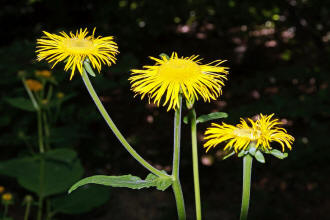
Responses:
[278,54]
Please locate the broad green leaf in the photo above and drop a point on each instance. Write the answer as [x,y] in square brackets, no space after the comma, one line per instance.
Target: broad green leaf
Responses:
[62,169]
[259,157]
[82,200]
[129,181]
[21,103]
[211,116]
[278,154]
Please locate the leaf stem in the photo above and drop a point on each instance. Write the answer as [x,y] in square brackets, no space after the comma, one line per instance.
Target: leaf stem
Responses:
[247,167]
[176,163]
[195,163]
[115,130]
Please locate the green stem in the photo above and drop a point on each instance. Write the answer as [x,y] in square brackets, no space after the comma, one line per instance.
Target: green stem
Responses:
[29,92]
[247,166]
[195,164]
[176,164]
[115,130]
[5,211]
[27,211]
[40,135]
[46,128]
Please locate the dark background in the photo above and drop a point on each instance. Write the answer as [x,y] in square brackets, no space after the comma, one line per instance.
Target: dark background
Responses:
[278,54]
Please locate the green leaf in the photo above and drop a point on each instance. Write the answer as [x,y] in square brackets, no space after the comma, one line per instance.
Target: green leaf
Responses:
[89,69]
[259,156]
[62,169]
[211,116]
[129,181]
[82,200]
[21,103]
[278,154]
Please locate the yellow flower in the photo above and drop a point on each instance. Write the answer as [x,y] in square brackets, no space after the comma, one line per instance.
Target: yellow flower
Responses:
[170,77]
[7,197]
[60,95]
[261,132]
[2,189]
[43,73]
[33,85]
[74,49]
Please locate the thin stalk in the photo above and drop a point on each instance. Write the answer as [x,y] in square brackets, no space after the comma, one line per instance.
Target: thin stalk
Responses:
[247,167]
[31,96]
[27,211]
[5,211]
[115,130]
[40,133]
[176,186]
[195,164]
[46,129]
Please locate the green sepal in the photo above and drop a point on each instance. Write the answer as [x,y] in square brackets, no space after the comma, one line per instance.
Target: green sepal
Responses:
[278,154]
[164,55]
[186,119]
[129,181]
[259,156]
[88,68]
[242,153]
[211,116]
[228,155]
[252,150]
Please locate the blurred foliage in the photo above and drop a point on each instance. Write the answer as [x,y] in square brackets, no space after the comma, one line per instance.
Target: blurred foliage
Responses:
[278,54]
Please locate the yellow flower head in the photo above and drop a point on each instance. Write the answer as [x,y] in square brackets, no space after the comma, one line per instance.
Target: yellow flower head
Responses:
[7,197]
[2,189]
[43,73]
[34,85]
[170,77]
[261,132]
[60,95]
[74,49]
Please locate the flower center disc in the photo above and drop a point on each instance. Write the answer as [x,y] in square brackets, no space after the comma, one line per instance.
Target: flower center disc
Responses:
[179,70]
[247,133]
[79,46]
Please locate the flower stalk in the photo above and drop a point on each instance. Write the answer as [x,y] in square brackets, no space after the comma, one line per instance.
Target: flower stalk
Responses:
[247,168]
[176,186]
[195,163]
[115,130]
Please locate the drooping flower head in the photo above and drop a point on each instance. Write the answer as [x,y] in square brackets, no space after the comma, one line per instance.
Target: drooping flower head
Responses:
[33,85]
[170,77]
[74,49]
[261,132]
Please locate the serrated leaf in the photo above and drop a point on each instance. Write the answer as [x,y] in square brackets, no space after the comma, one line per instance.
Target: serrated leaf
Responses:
[21,103]
[211,116]
[259,157]
[128,181]
[278,154]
